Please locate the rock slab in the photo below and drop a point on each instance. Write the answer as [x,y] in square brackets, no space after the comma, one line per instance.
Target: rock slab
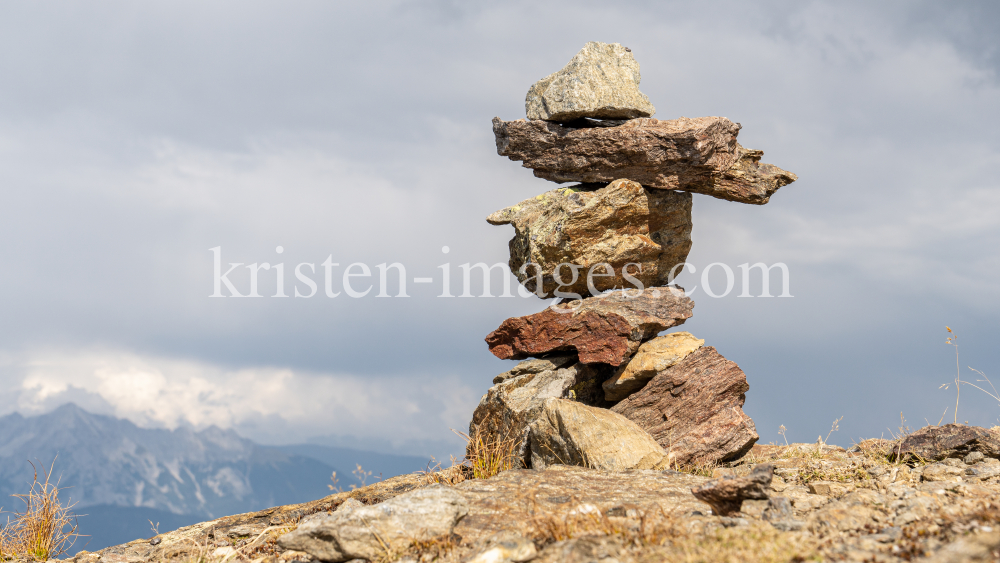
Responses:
[571,433]
[601,81]
[694,409]
[726,495]
[371,532]
[698,155]
[951,440]
[653,357]
[519,495]
[607,329]
[590,225]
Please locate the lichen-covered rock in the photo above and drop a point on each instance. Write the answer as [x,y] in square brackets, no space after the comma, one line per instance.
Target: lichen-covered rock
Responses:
[370,532]
[516,497]
[601,81]
[653,357]
[590,225]
[698,155]
[605,329]
[694,409]
[571,433]
[531,367]
[517,397]
[950,440]
[726,495]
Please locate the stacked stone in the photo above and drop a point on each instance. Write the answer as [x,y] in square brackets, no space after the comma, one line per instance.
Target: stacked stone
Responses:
[605,390]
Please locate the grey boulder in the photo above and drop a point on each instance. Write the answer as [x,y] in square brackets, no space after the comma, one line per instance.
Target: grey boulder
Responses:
[518,396]
[601,81]
[370,532]
[571,433]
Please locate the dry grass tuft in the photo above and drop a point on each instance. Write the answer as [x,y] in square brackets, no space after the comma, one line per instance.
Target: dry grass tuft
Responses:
[654,534]
[488,453]
[757,543]
[45,529]
[704,469]
[453,475]
[879,450]
[545,527]
[434,549]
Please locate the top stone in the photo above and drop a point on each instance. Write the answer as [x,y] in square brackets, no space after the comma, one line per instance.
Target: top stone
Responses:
[601,82]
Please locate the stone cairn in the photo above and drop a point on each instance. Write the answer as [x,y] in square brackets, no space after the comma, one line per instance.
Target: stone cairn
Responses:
[604,390]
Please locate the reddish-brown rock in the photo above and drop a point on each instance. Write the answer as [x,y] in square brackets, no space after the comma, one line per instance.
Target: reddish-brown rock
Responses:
[950,440]
[694,409]
[698,155]
[605,329]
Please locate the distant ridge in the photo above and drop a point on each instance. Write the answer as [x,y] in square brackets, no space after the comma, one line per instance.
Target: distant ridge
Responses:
[125,474]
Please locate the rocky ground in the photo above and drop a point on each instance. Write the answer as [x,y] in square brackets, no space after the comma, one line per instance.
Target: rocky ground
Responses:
[825,504]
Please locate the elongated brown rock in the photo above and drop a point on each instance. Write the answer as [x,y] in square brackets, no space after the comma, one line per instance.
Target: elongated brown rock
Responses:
[597,231]
[694,409]
[698,155]
[951,440]
[726,495]
[605,329]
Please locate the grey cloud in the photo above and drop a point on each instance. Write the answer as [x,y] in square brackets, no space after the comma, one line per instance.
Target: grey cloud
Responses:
[134,137]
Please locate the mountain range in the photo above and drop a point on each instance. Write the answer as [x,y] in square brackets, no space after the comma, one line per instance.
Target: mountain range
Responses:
[123,478]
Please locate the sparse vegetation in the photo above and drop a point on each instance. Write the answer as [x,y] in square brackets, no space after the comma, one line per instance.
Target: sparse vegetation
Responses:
[359,473]
[656,534]
[490,453]
[958,381]
[953,341]
[45,528]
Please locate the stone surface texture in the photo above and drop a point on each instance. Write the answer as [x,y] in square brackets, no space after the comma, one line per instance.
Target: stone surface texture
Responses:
[694,409]
[373,531]
[950,440]
[582,550]
[880,512]
[653,356]
[606,329]
[601,81]
[506,547]
[571,433]
[698,155]
[514,496]
[589,225]
[726,495]
[518,396]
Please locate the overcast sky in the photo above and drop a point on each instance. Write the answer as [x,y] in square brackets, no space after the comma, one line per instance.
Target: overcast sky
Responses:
[134,137]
